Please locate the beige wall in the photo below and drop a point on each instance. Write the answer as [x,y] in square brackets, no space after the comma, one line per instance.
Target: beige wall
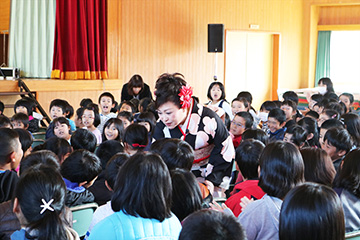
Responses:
[5,15]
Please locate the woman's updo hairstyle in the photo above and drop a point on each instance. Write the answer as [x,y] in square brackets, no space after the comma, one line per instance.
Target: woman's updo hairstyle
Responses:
[168,87]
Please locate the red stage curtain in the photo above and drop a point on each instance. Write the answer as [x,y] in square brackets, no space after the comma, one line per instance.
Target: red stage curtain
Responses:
[80,40]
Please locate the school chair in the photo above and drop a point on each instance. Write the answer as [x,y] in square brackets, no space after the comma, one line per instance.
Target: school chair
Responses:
[353,235]
[39,135]
[37,142]
[82,216]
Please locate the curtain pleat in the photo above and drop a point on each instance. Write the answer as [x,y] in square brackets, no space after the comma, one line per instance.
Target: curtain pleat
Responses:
[323,56]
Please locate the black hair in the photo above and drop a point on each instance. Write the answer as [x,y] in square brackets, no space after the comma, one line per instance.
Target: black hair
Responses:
[311,127]
[113,166]
[332,122]
[59,103]
[144,103]
[151,108]
[289,103]
[256,134]
[247,157]
[95,109]
[61,120]
[107,94]
[133,107]
[69,112]
[243,100]
[35,188]
[25,102]
[8,144]
[135,103]
[83,139]
[186,194]
[292,96]
[81,166]
[149,118]
[176,153]
[227,121]
[317,97]
[247,95]
[318,166]
[277,103]
[135,81]
[106,150]
[299,135]
[278,114]
[312,211]
[168,89]
[85,101]
[348,95]
[21,117]
[268,106]
[119,125]
[281,168]
[331,96]
[339,138]
[136,136]
[211,225]
[312,114]
[335,107]
[5,121]
[25,138]
[222,89]
[59,146]
[327,81]
[42,157]
[126,115]
[79,113]
[249,120]
[142,183]
[352,124]
[2,107]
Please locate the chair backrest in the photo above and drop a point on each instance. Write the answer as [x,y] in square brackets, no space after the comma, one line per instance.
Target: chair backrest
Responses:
[353,235]
[82,217]
[37,142]
[39,135]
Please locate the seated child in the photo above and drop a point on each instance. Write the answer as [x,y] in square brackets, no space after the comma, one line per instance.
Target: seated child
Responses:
[106,102]
[276,124]
[26,141]
[348,100]
[310,125]
[352,124]
[127,106]
[62,128]
[113,130]
[247,163]
[20,120]
[10,156]
[5,122]
[315,99]
[239,105]
[211,225]
[296,135]
[265,108]
[327,125]
[326,115]
[135,139]
[59,146]
[147,119]
[79,172]
[247,95]
[69,113]
[27,106]
[57,109]
[241,122]
[83,139]
[216,94]
[91,119]
[289,107]
[126,117]
[256,134]
[78,118]
[84,102]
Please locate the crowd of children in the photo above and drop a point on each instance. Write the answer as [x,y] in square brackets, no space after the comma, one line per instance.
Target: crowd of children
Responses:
[286,162]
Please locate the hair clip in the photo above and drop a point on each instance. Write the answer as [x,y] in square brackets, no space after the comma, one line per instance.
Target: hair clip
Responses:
[46,206]
[137,145]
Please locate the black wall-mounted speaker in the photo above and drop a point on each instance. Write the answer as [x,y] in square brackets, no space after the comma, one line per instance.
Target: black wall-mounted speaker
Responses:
[215,37]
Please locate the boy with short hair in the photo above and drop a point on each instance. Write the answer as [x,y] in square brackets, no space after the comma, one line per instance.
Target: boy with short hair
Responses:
[126,117]
[106,102]
[83,139]
[58,108]
[20,120]
[289,107]
[337,143]
[79,171]
[276,124]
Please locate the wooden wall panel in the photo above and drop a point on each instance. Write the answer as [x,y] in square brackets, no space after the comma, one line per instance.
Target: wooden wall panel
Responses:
[171,36]
[5,15]
[334,15]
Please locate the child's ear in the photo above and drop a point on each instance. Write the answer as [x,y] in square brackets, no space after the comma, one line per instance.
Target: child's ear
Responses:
[12,157]
[341,153]
[113,105]
[283,124]
[16,206]
[108,187]
[26,126]
[309,136]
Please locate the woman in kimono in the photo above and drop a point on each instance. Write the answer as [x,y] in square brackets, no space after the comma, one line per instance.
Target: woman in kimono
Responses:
[182,117]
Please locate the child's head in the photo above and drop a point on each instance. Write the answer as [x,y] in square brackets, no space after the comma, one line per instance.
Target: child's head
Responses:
[312,211]
[40,201]
[5,122]
[25,106]
[281,168]
[26,141]
[176,153]
[276,119]
[310,125]
[318,166]
[69,111]
[144,103]
[126,117]
[265,108]
[106,102]
[186,194]
[337,142]
[20,120]
[347,99]
[62,128]
[135,103]
[78,118]
[112,168]
[296,135]
[241,122]
[11,152]
[107,150]
[337,106]
[247,95]
[352,124]
[135,138]
[85,101]
[211,225]
[326,82]
[81,167]
[256,134]
[247,158]
[113,130]
[58,146]
[58,108]
[83,139]
[239,105]
[90,117]
[289,107]
[292,96]
[312,114]
[147,119]
[216,91]
[315,98]
[127,106]
[38,159]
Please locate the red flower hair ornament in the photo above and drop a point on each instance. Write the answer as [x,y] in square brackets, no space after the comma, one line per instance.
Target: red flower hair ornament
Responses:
[185,96]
